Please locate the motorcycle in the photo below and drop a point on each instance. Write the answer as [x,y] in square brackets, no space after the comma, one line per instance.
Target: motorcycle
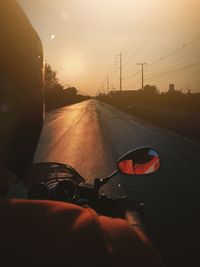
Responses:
[61,182]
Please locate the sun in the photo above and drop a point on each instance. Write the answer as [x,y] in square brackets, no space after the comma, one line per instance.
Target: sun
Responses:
[72,66]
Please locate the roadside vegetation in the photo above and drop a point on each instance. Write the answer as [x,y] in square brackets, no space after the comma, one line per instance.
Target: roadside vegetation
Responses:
[173,109]
[56,94]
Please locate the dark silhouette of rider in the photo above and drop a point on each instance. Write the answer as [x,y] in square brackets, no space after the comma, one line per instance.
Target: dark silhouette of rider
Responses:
[47,233]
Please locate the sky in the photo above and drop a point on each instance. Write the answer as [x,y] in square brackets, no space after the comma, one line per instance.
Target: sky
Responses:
[82,40]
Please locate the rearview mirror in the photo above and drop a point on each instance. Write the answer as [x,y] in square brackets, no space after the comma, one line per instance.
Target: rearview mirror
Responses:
[141,161]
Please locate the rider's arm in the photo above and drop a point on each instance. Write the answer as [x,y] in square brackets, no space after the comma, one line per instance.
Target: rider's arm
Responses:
[49,233]
[130,245]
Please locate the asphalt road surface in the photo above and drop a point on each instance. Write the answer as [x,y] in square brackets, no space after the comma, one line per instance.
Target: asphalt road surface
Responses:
[91,136]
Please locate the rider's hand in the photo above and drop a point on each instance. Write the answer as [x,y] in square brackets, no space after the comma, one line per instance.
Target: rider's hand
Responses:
[124,204]
[116,207]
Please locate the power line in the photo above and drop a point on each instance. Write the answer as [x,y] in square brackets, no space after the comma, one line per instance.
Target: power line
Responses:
[174,72]
[173,52]
[162,58]
[177,69]
[188,58]
[134,54]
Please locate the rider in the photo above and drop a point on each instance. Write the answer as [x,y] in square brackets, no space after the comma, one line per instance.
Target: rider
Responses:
[41,233]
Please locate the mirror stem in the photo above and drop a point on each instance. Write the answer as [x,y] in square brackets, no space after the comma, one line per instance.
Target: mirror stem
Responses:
[98,183]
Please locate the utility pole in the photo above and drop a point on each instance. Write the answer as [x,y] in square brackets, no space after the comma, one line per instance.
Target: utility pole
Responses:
[120,71]
[108,85]
[118,65]
[103,89]
[142,64]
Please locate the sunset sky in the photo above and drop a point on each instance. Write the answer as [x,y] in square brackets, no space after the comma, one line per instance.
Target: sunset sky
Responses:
[82,38]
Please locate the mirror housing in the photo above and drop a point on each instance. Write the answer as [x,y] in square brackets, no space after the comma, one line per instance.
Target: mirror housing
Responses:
[140,161]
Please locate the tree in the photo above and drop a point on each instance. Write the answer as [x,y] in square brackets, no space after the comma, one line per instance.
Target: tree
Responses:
[51,81]
[55,94]
[150,90]
[71,91]
[53,88]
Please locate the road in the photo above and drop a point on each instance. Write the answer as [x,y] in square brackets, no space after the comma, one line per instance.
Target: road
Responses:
[90,136]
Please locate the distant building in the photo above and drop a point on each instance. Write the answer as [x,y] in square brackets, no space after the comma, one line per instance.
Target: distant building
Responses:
[71,90]
[171,88]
